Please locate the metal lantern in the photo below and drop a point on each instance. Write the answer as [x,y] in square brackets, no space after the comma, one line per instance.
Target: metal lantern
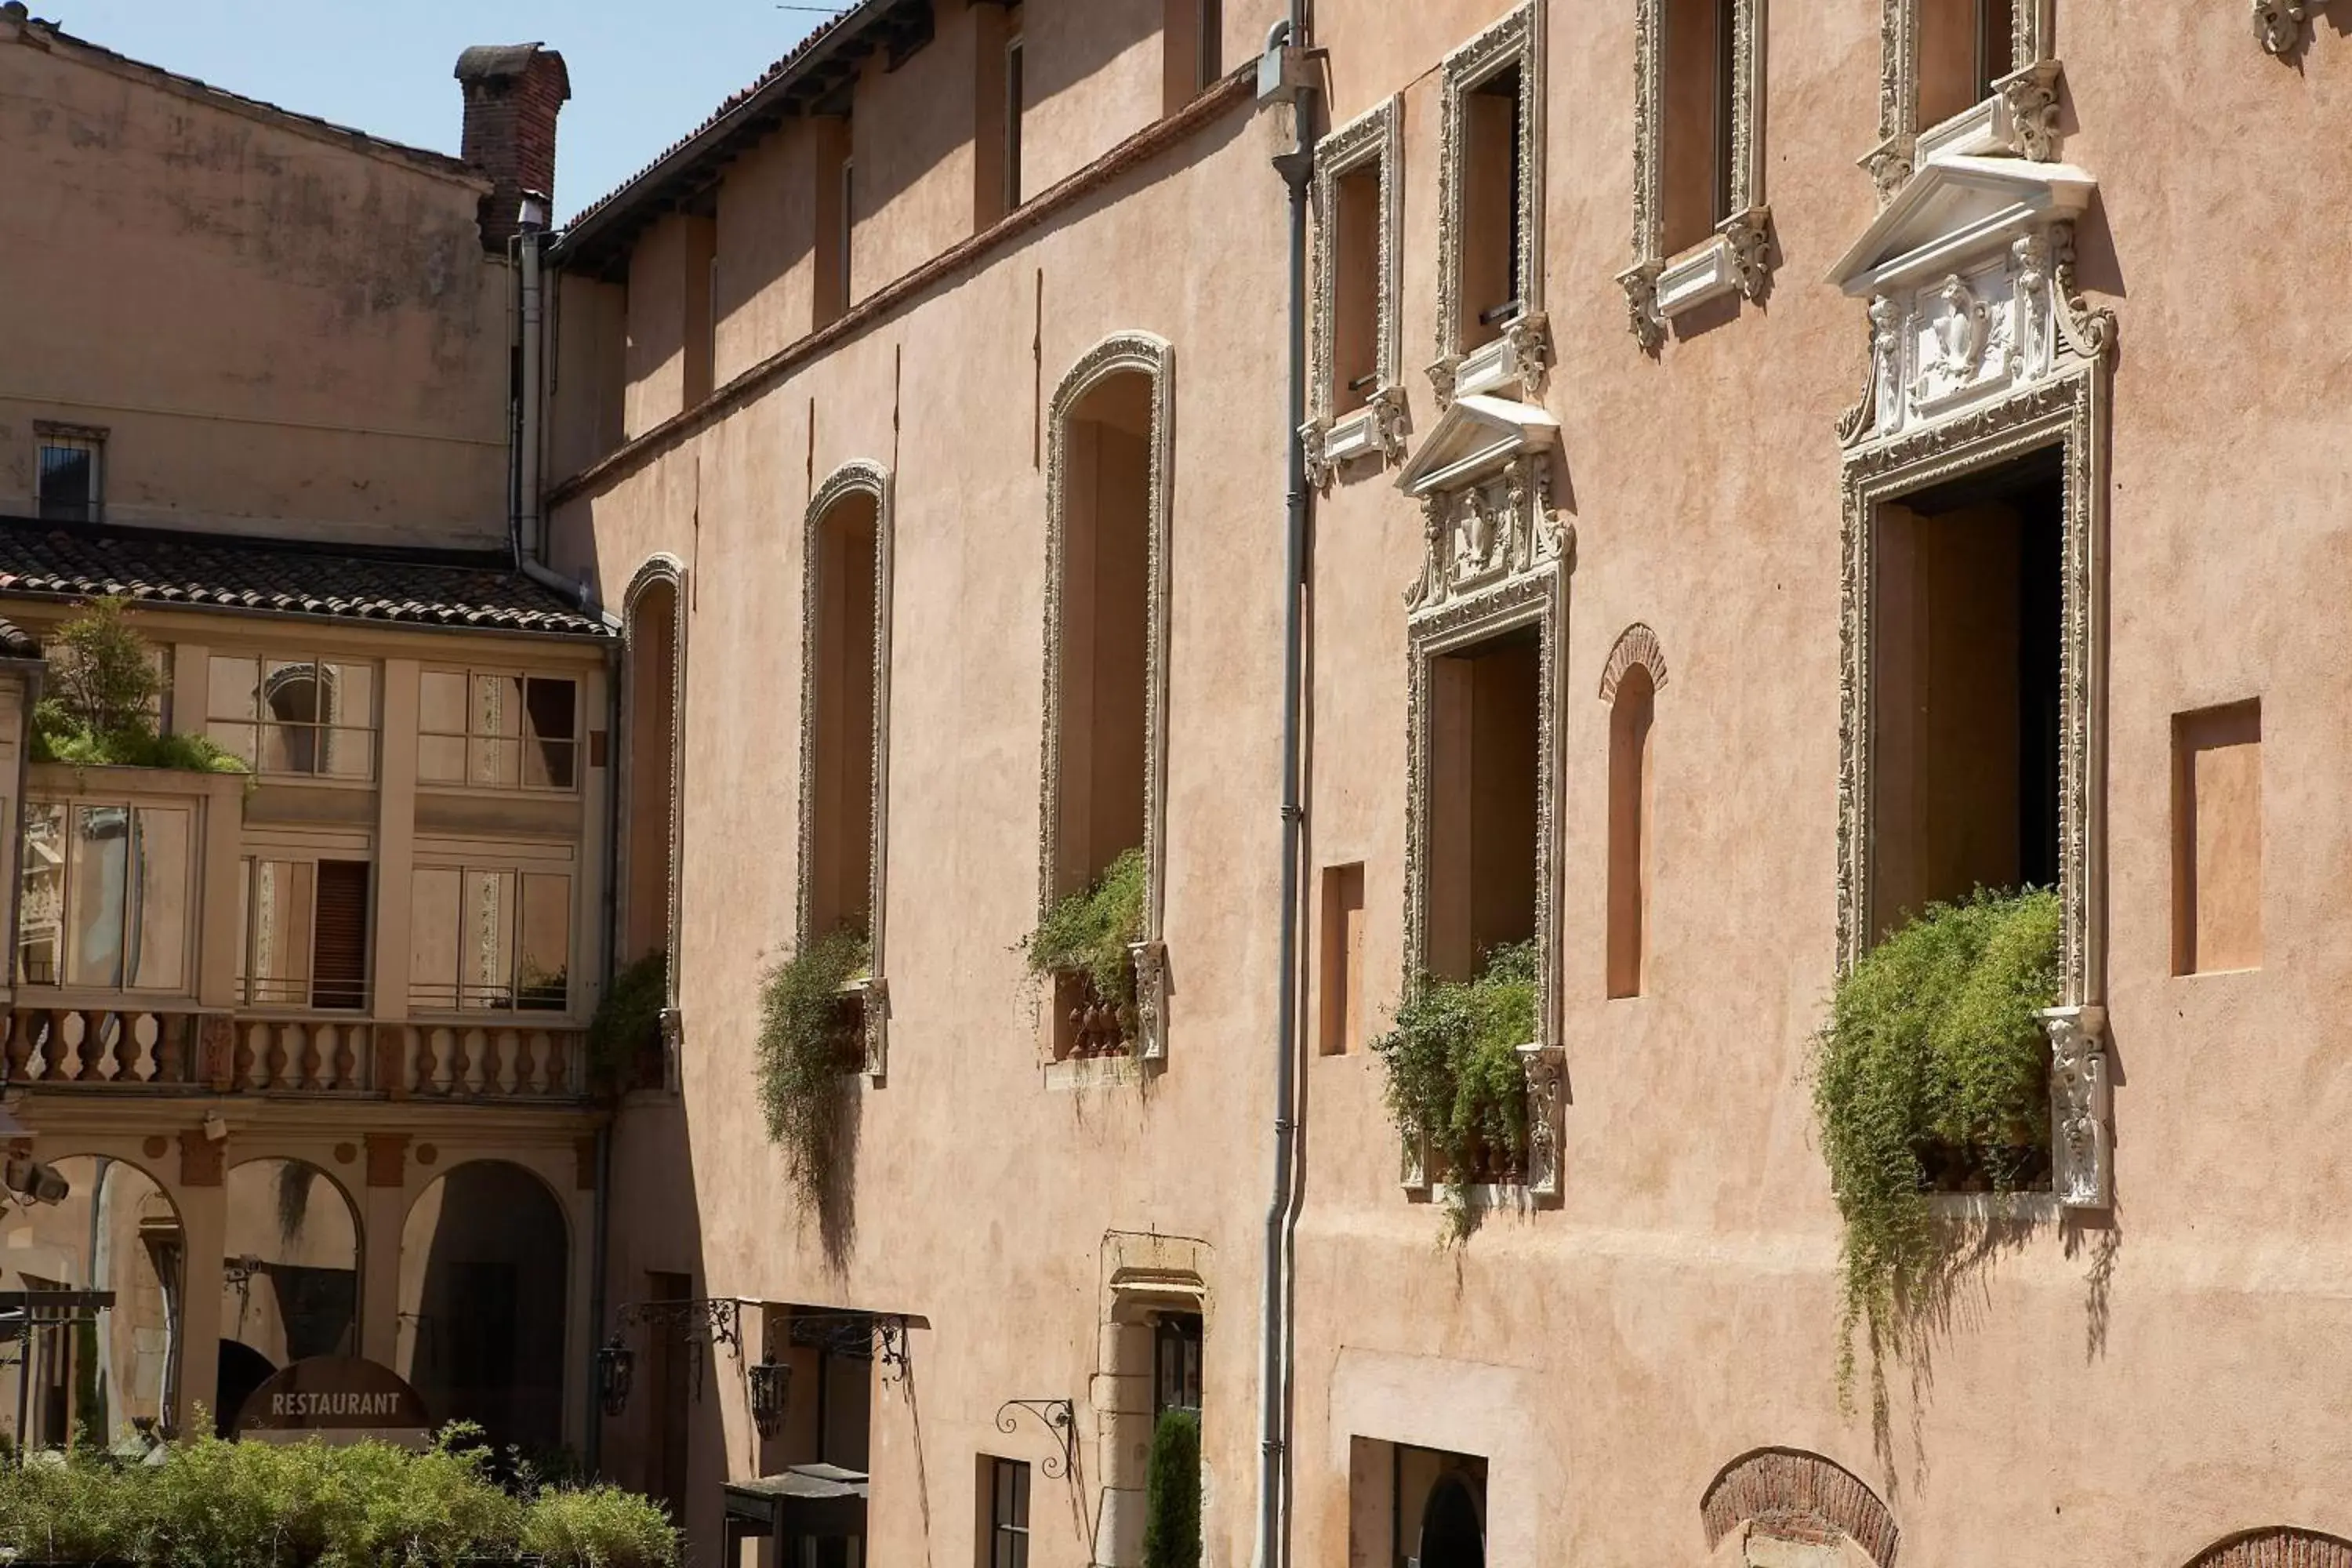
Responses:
[616,1363]
[771,1384]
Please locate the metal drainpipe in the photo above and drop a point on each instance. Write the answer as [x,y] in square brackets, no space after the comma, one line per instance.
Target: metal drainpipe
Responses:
[615,665]
[1297,169]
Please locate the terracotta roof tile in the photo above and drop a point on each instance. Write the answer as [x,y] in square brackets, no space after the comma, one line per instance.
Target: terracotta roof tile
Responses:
[208,572]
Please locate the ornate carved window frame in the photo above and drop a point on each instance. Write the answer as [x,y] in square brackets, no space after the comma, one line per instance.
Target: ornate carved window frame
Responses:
[1525,554]
[1736,257]
[858,476]
[2020,118]
[2068,410]
[665,570]
[1522,355]
[1376,136]
[1154,356]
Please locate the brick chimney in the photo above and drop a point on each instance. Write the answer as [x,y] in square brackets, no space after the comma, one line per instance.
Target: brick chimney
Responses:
[513,93]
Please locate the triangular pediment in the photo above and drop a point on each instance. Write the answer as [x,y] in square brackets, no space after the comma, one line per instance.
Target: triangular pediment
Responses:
[1472,438]
[1956,209]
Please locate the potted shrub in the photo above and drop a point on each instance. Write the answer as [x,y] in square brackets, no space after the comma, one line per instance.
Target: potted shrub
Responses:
[1932,1073]
[1081,947]
[103,684]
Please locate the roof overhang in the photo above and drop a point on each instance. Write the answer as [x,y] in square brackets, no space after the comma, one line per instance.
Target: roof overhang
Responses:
[1953,210]
[1475,436]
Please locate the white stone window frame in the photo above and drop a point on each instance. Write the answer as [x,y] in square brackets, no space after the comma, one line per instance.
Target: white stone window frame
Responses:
[1521,356]
[1736,258]
[1379,428]
[2068,410]
[1154,357]
[2020,118]
[1497,497]
[660,569]
[858,476]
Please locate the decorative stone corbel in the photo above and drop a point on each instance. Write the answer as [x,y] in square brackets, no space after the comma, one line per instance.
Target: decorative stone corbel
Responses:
[1640,282]
[1442,373]
[1151,961]
[2278,24]
[2081,1106]
[874,1013]
[1888,164]
[1527,351]
[2029,97]
[1749,234]
[1313,440]
[1392,420]
[1545,1068]
[2090,332]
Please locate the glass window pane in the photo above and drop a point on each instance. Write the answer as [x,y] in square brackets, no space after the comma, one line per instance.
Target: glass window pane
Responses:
[290,688]
[433,938]
[234,687]
[350,696]
[542,974]
[497,705]
[160,901]
[97,871]
[486,941]
[279,969]
[548,765]
[289,749]
[40,930]
[347,753]
[441,759]
[495,762]
[553,708]
[441,702]
[237,740]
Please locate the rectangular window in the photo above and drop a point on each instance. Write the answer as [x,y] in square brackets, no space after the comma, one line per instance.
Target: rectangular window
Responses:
[2217,844]
[1965,47]
[1176,1363]
[1342,967]
[1696,174]
[1493,292]
[106,896]
[1013,104]
[497,729]
[1356,283]
[1192,46]
[304,934]
[70,471]
[494,938]
[831,202]
[1484,735]
[1008,1514]
[307,716]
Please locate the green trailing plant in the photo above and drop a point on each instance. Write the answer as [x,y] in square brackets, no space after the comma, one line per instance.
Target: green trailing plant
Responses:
[627,1023]
[214,1504]
[800,1057]
[100,712]
[1171,1494]
[1090,932]
[1933,1058]
[1456,1085]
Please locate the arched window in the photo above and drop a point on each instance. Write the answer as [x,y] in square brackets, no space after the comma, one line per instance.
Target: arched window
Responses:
[1787,1495]
[1106,637]
[651,715]
[1629,686]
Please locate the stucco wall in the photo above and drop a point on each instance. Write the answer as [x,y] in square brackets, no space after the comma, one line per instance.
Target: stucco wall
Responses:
[281,331]
[2123,1391]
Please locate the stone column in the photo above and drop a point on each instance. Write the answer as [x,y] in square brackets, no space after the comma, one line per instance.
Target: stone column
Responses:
[203,1201]
[384,1211]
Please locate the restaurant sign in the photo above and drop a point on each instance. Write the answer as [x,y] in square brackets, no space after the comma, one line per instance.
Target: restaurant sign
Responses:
[339,1398]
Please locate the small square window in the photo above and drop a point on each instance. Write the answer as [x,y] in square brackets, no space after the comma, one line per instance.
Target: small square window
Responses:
[70,475]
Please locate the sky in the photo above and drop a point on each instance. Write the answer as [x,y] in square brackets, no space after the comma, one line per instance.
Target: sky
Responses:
[643,75]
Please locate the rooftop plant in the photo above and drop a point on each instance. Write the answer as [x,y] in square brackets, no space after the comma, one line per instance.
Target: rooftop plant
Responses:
[1456,1085]
[1090,932]
[1933,1055]
[801,1060]
[100,709]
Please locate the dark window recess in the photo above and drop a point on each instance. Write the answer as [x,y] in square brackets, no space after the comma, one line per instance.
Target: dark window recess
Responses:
[338,936]
[1012,102]
[1176,1360]
[551,759]
[69,483]
[1008,1515]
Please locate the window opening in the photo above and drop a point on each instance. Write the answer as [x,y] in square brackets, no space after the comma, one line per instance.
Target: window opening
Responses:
[307,716]
[1484,789]
[831,264]
[1630,719]
[1356,287]
[1966,693]
[1696,175]
[1493,292]
[1008,1514]
[1176,1363]
[68,476]
[106,896]
[489,938]
[497,729]
[844,735]
[1341,993]
[1013,88]
[303,934]
[652,757]
[1964,46]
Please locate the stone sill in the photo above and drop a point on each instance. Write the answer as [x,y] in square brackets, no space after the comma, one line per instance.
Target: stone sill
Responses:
[1092,1072]
[1982,1208]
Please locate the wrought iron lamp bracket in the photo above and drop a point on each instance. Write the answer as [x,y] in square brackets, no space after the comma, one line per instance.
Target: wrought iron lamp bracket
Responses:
[1058,1416]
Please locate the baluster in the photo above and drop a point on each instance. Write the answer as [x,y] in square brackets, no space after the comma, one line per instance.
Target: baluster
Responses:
[241,1063]
[56,1044]
[21,1027]
[311,1065]
[135,1056]
[273,1060]
[171,1046]
[74,1063]
[346,1056]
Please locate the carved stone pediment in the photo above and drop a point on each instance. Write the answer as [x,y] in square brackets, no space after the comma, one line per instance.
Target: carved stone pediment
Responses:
[1969,274]
[1956,209]
[1476,437]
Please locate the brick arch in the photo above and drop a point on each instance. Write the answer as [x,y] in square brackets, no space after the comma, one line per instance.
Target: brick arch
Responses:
[1791,1492]
[1636,645]
[2277,1546]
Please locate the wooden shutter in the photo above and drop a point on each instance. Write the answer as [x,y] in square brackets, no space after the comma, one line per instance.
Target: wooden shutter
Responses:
[338,936]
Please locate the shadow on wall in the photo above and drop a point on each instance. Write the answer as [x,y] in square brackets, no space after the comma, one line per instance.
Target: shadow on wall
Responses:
[483,1261]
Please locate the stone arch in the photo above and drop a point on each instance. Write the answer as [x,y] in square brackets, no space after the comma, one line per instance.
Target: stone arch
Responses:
[1636,645]
[1791,1493]
[485,1300]
[2277,1546]
[290,1287]
[653,734]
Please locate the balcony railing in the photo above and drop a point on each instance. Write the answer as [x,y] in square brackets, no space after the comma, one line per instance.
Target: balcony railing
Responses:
[165,1048]
[1086,1023]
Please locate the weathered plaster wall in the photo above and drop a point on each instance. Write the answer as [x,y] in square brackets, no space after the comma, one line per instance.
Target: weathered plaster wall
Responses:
[283,329]
[2112,1393]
